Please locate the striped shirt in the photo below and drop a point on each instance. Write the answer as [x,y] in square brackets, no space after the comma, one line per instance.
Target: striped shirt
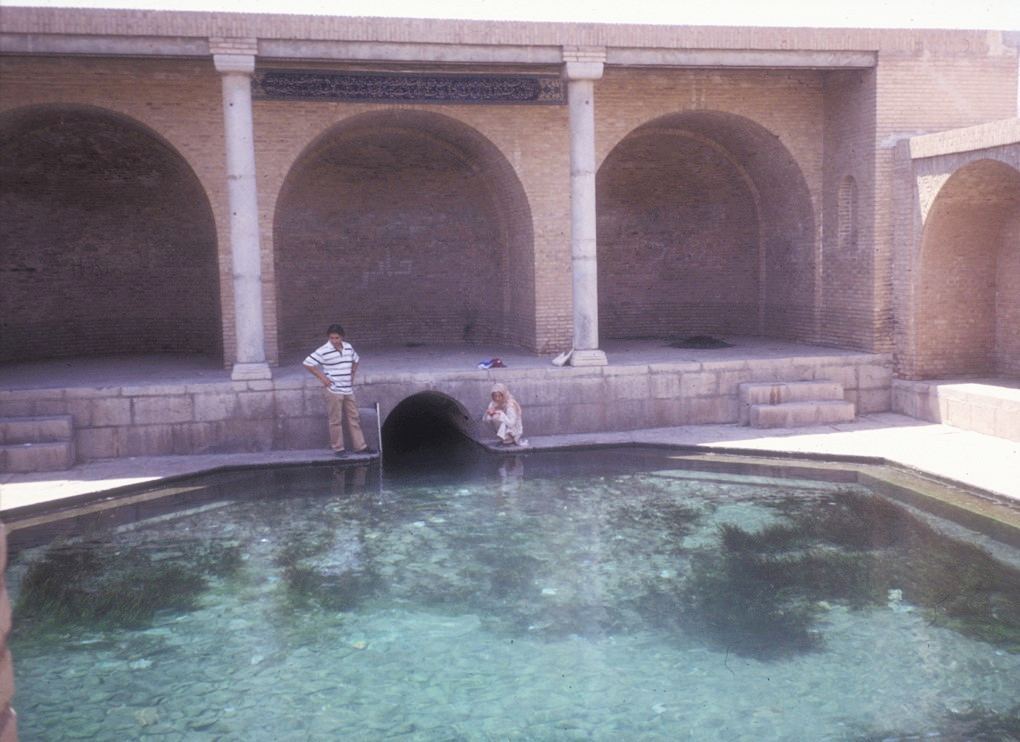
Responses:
[336,364]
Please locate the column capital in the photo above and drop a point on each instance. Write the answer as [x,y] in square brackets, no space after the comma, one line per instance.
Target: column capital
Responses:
[234,63]
[583,62]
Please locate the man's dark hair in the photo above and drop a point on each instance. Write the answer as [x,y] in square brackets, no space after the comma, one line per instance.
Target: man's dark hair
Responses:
[338,329]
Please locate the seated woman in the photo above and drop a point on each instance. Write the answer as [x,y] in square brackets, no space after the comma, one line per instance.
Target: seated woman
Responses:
[505,414]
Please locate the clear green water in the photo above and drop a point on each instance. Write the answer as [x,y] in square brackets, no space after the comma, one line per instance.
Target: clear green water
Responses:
[601,596]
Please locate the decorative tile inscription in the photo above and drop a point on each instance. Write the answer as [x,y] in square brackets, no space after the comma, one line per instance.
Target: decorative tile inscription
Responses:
[408,88]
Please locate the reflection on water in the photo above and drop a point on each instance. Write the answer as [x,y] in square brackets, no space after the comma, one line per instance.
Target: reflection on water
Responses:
[602,595]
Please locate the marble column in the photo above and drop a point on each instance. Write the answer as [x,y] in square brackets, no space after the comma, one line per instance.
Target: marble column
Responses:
[250,360]
[581,68]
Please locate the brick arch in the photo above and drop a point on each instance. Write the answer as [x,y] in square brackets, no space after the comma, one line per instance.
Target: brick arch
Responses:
[409,227]
[967,309]
[705,226]
[108,243]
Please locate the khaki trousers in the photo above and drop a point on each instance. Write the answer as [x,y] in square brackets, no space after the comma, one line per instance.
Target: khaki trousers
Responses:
[343,409]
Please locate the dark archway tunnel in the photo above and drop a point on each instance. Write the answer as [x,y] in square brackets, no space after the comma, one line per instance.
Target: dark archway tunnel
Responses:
[429,427]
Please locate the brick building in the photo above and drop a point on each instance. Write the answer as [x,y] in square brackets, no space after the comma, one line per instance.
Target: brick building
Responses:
[227,185]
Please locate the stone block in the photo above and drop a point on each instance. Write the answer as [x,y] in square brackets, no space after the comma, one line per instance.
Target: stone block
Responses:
[730,380]
[196,438]
[212,407]
[584,418]
[300,433]
[97,443]
[50,407]
[982,418]
[213,387]
[80,411]
[873,400]
[255,405]
[711,410]
[801,414]
[957,413]
[1007,423]
[155,390]
[686,367]
[549,391]
[48,456]
[873,377]
[289,403]
[845,374]
[162,410]
[106,411]
[36,429]
[147,440]
[635,370]
[904,400]
[245,435]
[292,382]
[666,413]
[699,385]
[633,386]
[626,414]
[665,385]
[80,392]
[15,407]
[260,385]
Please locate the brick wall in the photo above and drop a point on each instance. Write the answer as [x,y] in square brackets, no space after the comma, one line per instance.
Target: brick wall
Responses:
[154,205]
[846,270]
[678,240]
[469,238]
[918,91]
[107,241]
[735,179]
[969,292]
[408,229]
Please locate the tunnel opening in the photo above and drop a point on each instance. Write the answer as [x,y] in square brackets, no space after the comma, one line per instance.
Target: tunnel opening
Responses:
[430,429]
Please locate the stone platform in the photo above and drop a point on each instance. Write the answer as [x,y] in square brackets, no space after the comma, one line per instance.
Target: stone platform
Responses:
[989,406]
[154,406]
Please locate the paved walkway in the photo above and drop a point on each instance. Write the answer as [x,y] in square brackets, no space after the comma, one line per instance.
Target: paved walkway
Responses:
[981,461]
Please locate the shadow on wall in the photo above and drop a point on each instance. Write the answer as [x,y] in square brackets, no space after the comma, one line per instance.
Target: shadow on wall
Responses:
[410,225]
[108,244]
[705,226]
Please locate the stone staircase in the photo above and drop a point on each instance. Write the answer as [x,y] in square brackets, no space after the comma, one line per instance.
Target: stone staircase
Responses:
[793,404]
[38,443]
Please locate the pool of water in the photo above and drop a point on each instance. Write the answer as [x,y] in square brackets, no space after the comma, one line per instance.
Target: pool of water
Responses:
[607,595]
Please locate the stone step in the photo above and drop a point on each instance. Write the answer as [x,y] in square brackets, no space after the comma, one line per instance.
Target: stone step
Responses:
[800,414]
[29,457]
[38,429]
[781,392]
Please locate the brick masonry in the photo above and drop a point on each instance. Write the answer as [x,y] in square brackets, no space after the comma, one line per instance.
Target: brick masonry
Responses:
[957,273]
[480,247]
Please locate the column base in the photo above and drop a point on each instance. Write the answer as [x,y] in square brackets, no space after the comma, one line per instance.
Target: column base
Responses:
[594,357]
[250,371]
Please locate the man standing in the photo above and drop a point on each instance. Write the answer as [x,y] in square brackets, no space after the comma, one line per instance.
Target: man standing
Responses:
[334,364]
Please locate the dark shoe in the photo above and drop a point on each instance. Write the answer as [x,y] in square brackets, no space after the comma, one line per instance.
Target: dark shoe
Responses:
[342,453]
[366,449]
